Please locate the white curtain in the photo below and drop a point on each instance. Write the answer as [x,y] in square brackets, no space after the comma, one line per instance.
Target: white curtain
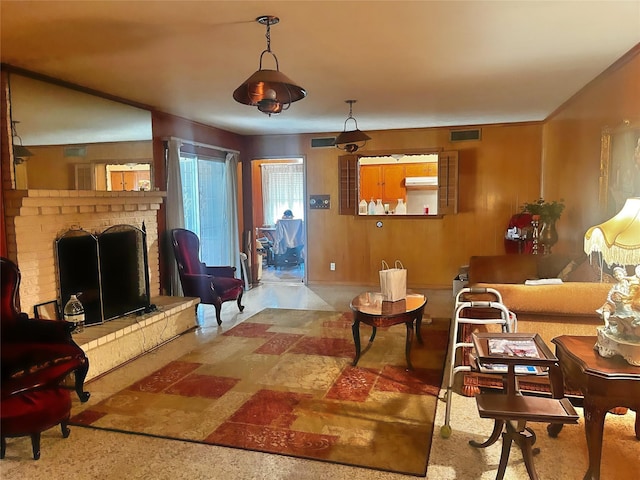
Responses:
[232,208]
[174,210]
[282,189]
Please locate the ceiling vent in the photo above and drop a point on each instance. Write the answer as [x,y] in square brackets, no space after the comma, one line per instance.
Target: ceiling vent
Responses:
[462,135]
[75,151]
[325,142]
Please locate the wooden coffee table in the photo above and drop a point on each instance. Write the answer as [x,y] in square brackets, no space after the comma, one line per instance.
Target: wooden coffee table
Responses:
[371,309]
[606,383]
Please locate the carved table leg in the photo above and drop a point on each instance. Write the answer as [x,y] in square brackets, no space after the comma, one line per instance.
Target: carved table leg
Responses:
[355,328]
[419,326]
[504,456]
[554,429]
[594,415]
[525,441]
[493,438]
[407,347]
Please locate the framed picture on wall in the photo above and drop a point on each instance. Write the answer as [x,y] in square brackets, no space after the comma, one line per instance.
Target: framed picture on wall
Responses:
[619,166]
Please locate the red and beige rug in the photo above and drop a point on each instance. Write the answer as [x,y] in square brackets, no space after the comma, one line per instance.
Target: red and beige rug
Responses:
[282,382]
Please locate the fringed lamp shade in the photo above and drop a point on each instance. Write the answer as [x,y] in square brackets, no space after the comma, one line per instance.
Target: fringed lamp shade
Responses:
[617,239]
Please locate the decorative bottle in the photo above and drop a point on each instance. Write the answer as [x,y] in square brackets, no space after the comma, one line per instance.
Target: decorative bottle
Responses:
[379,207]
[363,207]
[372,208]
[74,313]
[401,208]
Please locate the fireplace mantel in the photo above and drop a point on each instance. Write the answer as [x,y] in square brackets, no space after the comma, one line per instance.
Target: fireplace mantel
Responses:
[36,218]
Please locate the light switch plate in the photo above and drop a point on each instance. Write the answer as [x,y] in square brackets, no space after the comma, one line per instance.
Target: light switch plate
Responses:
[320,201]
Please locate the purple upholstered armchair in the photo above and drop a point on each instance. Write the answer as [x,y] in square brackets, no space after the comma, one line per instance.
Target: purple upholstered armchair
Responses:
[36,357]
[214,285]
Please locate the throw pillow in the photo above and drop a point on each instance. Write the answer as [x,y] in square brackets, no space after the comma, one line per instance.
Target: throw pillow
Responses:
[566,271]
[583,273]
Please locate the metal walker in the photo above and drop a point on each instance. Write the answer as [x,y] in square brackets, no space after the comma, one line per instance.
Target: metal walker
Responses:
[495,308]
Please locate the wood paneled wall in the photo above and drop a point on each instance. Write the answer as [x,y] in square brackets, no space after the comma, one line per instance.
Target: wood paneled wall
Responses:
[511,164]
[497,174]
[571,139]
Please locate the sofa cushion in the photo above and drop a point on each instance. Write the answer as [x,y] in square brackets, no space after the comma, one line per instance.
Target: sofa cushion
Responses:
[574,298]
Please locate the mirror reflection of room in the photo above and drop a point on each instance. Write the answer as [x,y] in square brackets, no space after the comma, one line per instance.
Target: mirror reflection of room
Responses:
[78,141]
[398,184]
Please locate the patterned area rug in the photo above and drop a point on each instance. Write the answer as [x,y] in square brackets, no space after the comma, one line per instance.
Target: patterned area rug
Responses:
[282,382]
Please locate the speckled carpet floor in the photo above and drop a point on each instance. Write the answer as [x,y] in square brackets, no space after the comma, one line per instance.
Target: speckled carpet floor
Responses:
[282,382]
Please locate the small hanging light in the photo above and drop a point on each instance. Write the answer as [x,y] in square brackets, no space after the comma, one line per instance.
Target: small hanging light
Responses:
[20,152]
[351,140]
[269,90]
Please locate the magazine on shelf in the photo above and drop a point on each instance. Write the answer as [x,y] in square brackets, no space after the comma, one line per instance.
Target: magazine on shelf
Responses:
[518,369]
[513,347]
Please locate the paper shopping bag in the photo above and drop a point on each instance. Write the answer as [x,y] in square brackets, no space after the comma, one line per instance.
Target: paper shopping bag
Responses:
[393,282]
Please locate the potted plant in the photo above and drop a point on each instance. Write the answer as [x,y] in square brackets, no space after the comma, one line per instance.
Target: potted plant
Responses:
[548,213]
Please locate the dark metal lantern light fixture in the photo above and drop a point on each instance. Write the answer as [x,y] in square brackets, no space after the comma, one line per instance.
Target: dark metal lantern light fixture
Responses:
[20,152]
[270,90]
[351,140]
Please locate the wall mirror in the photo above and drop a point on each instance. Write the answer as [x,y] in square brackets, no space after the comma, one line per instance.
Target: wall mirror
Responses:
[619,165]
[66,139]
[398,184]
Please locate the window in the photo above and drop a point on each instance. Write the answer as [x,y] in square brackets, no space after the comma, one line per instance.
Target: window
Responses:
[351,175]
[282,189]
[205,205]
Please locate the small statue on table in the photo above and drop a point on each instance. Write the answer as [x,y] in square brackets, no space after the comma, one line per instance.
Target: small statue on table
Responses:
[621,314]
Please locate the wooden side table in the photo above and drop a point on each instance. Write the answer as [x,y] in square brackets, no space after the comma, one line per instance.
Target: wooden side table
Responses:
[511,410]
[606,383]
[371,309]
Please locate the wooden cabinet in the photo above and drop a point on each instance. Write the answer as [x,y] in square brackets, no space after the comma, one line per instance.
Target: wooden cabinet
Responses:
[421,169]
[393,184]
[128,181]
[382,181]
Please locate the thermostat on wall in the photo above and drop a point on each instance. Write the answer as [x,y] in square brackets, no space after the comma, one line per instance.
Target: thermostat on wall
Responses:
[320,201]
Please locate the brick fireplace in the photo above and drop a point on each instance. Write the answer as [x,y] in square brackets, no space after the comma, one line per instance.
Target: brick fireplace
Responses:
[36,218]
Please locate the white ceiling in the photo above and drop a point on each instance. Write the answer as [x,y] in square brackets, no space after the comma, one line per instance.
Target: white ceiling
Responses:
[409,64]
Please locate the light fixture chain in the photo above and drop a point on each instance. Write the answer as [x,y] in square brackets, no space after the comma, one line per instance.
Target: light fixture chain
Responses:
[268,35]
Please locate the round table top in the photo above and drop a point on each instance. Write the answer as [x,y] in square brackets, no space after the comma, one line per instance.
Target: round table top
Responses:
[372,303]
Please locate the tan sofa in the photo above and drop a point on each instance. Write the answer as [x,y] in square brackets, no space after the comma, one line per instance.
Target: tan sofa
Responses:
[549,310]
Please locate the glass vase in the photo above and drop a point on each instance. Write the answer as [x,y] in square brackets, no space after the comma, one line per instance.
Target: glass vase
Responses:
[548,236]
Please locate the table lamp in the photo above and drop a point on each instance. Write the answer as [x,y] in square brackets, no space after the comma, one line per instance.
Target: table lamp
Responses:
[618,241]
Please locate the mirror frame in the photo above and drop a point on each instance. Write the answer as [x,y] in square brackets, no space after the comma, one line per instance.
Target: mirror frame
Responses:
[612,161]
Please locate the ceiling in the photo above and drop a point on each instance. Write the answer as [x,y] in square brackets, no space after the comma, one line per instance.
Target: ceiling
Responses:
[410,64]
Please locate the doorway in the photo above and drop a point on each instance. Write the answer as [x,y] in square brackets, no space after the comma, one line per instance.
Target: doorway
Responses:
[280,235]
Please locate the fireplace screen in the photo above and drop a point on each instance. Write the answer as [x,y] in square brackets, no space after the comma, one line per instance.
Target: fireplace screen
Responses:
[109,271]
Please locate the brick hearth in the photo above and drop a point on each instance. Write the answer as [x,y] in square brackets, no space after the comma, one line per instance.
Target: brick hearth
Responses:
[118,341]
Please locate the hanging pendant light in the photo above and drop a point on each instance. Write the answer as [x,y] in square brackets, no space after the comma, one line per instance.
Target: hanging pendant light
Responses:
[269,90]
[20,152]
[351,140]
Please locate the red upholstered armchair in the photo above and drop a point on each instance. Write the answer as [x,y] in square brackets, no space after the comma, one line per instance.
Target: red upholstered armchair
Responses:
[214,285]
[36,356]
